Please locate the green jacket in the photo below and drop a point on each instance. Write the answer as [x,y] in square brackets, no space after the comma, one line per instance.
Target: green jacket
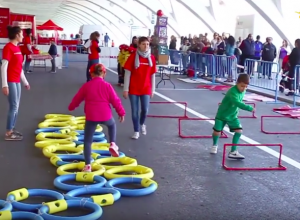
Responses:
[231,103]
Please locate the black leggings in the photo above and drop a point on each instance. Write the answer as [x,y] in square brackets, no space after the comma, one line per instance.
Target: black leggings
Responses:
[290,82]
[89,131]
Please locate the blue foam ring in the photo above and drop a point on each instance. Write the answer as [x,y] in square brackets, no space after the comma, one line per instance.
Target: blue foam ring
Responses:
[76,193]
[81,132]
[106,153]
[96,211]
[98,141]
[5,206]
[45,130]
[26,215]
[131,192]
[34,192]
[69,157]
[98,137]
[59,182]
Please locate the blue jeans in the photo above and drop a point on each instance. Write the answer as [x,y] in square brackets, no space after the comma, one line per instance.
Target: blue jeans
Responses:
[90,63]
[27,63]
[139,118]
[13,101]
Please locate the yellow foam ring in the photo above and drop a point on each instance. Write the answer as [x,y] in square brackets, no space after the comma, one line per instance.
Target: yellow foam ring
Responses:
[54,159]
[65,131]
[140,172]
[80,127]
[103,200]
[58,116]
[146,182]
[59,119]
[19,194]
[97,146]
[48,124]
[43,136]
[58,142]
[85,177]
[95,155]
[97,169]
[5,215]
[57,206]
[125,161]
[80,118]
[50,150]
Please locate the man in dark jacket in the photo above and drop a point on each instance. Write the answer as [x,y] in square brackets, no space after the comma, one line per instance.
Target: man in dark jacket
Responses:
[248,48]
[268,55]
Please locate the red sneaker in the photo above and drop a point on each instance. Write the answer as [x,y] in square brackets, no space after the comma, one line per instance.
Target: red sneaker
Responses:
[114,150]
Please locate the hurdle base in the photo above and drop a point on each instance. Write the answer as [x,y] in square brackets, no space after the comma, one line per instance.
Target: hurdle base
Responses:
[252,116]
[279,168]
[165,116]
[223,135]
[278,132]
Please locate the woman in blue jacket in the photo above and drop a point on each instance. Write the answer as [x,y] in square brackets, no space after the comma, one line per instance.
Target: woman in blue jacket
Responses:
[231,59]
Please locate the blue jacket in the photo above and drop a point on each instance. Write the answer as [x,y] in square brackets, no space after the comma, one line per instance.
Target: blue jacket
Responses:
[106,38]
[248,47]
[258,48]
[229,50]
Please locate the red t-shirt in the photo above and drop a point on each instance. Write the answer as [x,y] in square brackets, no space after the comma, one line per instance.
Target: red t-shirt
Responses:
[140,80]
[94,50]
[27,41]
[13,55]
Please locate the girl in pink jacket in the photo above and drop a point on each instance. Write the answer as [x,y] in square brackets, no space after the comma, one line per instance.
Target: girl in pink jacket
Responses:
[98,96]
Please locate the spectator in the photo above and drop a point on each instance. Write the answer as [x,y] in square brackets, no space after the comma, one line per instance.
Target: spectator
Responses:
[220,46]
[283,51]
[134,42]
[229,50]
[247,47]
[172,50]
[238,43]
[53,53]
[257,53]
[214,41]
[268,54]
[28,49]
[185,54]
[94,51]
[294,60]
[106,40]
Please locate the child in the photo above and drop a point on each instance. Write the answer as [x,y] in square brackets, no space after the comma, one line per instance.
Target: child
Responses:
[53,53]
[285,71]
[228,114]
[98,95]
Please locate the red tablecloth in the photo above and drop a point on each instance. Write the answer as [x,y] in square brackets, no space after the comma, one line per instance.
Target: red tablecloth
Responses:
[40,57]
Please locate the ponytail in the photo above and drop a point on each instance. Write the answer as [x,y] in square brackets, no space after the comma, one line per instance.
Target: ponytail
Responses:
[13,31]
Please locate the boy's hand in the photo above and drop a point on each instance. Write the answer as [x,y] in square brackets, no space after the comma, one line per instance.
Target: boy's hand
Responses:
[253,110]
[121,119]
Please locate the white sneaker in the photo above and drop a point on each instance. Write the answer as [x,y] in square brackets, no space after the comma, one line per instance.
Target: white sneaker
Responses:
[143,128]
[236,155]
[136,135]
[214,149]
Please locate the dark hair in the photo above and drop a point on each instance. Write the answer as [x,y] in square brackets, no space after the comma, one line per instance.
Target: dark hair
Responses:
[243,78]
[297,43]
[143,39]
[94,35]
[257,37]
[13,31]
[28,31]
[99,69]
[133,39]
[231,41]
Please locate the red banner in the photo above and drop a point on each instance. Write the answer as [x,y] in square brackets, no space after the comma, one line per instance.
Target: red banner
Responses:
[4,21]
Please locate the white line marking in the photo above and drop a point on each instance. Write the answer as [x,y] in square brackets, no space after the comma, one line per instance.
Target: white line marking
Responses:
[243,137]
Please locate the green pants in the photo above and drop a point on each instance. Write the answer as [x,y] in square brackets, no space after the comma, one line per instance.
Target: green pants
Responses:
[233,125]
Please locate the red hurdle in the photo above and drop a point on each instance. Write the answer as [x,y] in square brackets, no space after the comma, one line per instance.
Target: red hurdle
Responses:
[279,166]
[276,132]
[223,135]
[170,116]
[253,113]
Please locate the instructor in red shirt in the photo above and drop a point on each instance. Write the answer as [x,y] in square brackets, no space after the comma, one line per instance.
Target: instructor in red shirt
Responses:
[27,49]
[139,84]
[11,74]
[94,51]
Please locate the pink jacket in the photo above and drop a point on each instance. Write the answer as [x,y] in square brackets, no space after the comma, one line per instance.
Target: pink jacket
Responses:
[98,95]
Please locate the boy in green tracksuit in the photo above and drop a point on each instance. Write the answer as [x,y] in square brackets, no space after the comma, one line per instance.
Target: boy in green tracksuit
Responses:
[228,115]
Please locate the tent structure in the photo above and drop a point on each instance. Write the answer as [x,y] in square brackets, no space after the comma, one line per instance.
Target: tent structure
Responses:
[49,26]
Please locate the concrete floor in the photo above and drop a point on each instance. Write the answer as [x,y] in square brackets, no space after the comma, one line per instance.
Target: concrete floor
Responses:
[192,183]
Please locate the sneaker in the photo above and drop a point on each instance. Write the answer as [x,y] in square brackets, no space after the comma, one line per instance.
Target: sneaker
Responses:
[235,155]
[136,135]
[87,168]
[143,128]
[114,150]
[17,132]
[13,137]
[214,149]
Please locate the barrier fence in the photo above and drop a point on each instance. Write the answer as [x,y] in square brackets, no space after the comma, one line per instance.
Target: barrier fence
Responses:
[295,82]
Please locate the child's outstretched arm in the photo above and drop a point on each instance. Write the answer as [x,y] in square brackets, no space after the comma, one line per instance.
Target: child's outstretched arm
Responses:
[240,104]
[115,101]
[77,99]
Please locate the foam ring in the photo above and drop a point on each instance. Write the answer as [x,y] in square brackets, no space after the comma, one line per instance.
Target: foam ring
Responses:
[63,159]
[101,196]
[61,143]
[63,205]
[22,194]
[97,181]
[149,185]
[7,215]
[125,161]
[96,137]
[106,153]
[141,172]
[59,116]
[63,170]
[5,206]
[55,136]
[50,150]
[97,141]
[45,130]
